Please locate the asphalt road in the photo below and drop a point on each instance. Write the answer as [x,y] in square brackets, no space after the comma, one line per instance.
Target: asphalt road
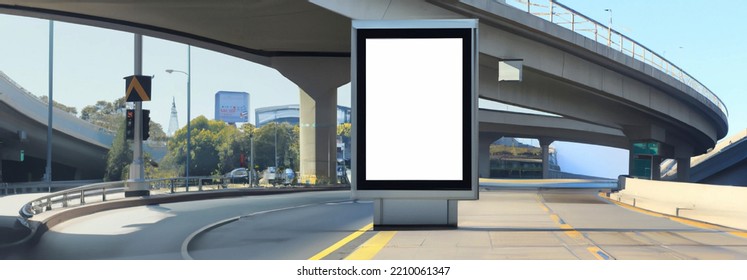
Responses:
[289,226]
[503,224]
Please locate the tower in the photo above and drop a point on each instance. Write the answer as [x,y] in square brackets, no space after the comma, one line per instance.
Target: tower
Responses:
[173,122]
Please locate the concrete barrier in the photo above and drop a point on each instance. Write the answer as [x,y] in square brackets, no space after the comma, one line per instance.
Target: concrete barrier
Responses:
[714,204]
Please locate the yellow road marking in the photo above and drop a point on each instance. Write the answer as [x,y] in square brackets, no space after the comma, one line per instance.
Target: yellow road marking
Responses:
[342,242]
[372,247]
[555,218]
[597,252]
[739,233]
[573,233]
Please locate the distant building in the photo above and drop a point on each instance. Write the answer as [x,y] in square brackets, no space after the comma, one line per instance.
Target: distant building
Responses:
[174,121]
[510,158]
[290,114]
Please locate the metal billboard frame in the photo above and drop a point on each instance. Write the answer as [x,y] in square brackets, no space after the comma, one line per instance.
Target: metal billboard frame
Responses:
[465,188]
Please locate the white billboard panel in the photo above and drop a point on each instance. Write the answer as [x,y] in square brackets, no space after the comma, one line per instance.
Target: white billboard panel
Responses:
[414,109]
[426,86]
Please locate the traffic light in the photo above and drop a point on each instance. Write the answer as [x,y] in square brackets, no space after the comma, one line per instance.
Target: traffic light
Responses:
[130,125]
[146,124]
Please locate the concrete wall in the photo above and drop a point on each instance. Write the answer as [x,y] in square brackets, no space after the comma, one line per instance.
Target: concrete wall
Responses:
[722,205]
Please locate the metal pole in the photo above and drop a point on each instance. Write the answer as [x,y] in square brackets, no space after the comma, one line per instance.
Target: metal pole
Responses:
[276,142]
[189,110]
[135,185]
[48,169]
[251,161]
[609,29]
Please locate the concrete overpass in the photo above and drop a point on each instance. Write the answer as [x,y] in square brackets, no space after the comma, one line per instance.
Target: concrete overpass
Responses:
[78,148]
[496,124]
[564,72]
[725,164]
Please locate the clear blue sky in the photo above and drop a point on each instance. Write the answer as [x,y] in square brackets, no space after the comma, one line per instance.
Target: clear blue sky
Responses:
[702,37]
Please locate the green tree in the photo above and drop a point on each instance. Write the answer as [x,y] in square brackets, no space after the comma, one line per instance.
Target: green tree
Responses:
[104,114]
[217,148]
[109,115]
[206,138]
[344,129]
[287,145]
[119,156]
[63,107]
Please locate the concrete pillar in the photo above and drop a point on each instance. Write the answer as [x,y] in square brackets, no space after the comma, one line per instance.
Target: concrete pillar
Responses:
[682,153]
[318,123]
[683,169]
[655,168]
[318,78]
[631,160]
[545,145]
[483,152]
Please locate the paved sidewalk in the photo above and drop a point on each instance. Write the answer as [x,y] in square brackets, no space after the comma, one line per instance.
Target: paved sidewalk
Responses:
[556,225]
[501,225]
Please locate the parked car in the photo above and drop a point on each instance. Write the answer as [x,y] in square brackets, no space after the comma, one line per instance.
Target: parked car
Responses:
[238,175]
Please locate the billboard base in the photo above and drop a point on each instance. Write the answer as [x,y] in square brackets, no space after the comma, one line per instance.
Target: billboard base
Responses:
[415,213]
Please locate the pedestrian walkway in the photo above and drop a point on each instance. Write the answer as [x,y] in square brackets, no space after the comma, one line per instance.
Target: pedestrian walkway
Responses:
[555,225]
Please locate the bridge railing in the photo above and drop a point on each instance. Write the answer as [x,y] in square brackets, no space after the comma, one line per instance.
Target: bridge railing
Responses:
[41,186]
[564,16]
[115,190]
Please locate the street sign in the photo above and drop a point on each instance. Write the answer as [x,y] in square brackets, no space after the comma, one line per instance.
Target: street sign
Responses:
[137,88]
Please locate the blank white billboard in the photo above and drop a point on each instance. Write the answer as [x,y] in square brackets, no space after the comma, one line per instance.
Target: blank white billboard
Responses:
[414,110]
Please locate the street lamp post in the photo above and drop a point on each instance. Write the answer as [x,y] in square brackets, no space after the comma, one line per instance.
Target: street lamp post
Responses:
[50,101]
[189,107]
[609,29]
[251,160]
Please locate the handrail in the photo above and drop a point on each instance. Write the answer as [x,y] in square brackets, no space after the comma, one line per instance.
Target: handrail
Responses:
[104,192]
[41,186]
[564,16]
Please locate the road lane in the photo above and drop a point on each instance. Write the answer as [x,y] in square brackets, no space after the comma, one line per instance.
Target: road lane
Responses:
[503,224]
[627,234]
[296,233]
[158,231]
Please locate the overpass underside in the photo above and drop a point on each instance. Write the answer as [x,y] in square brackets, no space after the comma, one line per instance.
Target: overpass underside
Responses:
[309,42]
[23,151]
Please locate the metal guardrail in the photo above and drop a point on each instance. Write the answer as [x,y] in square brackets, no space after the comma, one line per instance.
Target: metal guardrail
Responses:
[564,16]
[37,187]
[111,190]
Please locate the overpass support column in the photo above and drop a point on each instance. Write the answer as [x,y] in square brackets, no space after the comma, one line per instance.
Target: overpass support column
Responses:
[682,154]
[545,145]
[655,168]
[318,123]
[318,78]
[483,151]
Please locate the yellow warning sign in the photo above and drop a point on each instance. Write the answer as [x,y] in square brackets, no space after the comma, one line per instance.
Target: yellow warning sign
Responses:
[140,86]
